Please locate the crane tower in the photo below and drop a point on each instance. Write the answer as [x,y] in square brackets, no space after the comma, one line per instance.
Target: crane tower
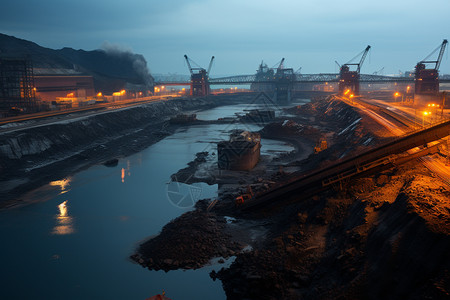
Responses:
[349,80]
[199,78]
[427,80]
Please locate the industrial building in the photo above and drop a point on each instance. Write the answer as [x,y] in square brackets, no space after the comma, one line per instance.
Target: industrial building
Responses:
[52,84]
[24,89]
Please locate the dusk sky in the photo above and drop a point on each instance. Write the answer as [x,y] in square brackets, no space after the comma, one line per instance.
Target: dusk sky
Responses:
[240,33]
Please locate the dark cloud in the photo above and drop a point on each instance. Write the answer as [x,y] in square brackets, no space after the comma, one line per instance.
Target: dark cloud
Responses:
[311,34]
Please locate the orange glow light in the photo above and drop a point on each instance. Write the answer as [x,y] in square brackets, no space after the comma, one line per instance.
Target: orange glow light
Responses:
[99,94]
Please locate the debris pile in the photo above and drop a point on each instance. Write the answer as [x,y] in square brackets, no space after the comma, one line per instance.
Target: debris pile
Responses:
[188,242]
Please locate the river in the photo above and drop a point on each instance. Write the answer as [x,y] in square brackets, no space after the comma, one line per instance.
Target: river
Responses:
[74,239]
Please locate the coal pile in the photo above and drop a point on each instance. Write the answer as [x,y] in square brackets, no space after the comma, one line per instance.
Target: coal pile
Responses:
[188,242]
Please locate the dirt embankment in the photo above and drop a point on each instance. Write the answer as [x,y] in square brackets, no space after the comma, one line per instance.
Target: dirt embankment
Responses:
[374,242]
[382,237]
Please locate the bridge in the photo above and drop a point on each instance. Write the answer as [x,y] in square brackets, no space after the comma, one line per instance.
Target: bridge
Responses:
[289,85]
[299,78]
[284,80]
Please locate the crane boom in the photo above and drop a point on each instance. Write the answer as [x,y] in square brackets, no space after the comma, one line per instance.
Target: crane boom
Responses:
[281,64]
[210,65]
[363,57]
[189,64]
[437,62]
[441,53]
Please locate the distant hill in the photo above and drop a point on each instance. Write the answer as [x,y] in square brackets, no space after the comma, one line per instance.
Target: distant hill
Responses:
[112,69]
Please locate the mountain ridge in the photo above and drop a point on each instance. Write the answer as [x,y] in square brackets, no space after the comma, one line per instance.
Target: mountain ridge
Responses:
[112,69]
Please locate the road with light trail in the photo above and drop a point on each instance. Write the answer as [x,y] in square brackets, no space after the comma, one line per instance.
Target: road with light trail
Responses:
[436,166]
[12,124]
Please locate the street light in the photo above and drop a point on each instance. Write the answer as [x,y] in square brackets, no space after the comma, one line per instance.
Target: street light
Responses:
[436,107]
[396,95]
[425,113]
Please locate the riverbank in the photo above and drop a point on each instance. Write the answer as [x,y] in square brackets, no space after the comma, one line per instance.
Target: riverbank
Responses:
[33,157]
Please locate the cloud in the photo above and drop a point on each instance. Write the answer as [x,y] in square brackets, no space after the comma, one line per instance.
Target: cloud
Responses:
[240,33]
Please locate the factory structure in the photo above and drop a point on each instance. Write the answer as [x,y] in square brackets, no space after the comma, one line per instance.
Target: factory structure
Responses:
[17,87]
[24,89]
[52,84]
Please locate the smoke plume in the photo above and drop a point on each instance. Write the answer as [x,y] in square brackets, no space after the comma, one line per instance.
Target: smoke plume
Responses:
[138,61]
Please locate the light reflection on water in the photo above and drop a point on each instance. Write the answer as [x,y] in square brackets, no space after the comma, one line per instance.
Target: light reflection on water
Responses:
[64,222]
[63,184]
[83,228]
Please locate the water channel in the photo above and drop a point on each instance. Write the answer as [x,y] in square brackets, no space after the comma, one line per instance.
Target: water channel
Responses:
[73,241]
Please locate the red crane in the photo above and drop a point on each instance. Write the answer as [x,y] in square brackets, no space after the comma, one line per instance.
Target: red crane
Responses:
[349,80]
[427,80]
[199,78]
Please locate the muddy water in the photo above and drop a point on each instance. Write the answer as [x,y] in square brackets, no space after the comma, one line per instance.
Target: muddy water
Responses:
[74,240]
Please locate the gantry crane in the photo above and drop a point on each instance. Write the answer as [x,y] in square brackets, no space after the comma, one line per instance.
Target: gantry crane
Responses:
[284,83]
[199,78]
[427,80]
[349,80]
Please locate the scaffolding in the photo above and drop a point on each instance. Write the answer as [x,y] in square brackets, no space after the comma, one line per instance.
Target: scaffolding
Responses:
[17,89]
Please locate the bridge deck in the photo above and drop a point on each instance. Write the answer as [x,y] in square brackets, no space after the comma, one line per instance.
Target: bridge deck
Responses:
[301,78]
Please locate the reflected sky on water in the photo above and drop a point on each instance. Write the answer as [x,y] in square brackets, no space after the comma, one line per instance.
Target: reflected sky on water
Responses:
[73,241]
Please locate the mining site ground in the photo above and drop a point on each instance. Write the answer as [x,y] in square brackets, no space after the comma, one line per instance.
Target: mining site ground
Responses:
[380,237]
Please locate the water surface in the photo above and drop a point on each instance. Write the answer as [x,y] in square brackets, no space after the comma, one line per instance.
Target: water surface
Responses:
[74,241]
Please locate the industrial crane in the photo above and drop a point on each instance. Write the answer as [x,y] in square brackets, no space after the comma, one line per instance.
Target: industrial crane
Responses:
[199,78]
[427,80]
[358,65]
[349,80]
[284,82]
[197,68]
[437,62]
[280,67]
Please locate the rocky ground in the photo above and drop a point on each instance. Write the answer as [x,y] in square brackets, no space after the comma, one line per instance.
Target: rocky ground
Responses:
[381,237]
[175,247]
